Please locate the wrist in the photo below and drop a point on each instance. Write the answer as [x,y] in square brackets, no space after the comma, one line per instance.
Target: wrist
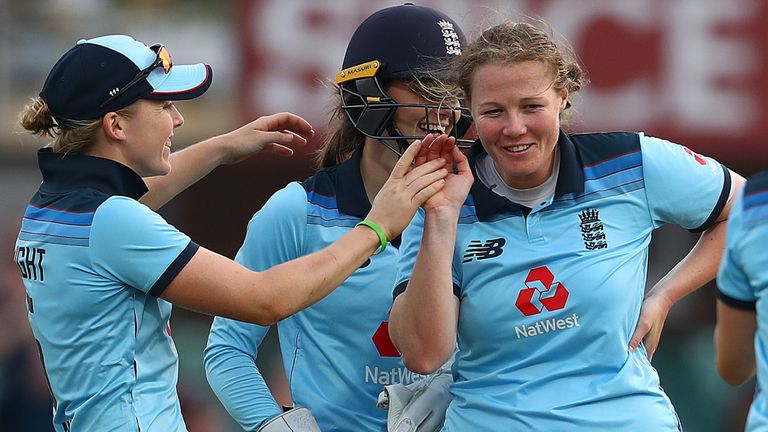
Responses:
[661,296]
[381,236]
[444,212]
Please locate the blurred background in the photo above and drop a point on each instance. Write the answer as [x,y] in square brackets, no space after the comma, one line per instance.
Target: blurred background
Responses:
[691,71]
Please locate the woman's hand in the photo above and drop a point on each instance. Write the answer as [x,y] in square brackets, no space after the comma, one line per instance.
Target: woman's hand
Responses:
[408,187]
[272,134]
[458,184]
[653,314]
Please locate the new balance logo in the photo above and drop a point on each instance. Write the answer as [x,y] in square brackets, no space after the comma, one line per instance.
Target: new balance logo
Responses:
[489,249]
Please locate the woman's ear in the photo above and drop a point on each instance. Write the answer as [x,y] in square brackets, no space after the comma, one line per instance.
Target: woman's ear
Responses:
[113,125]
[564,100]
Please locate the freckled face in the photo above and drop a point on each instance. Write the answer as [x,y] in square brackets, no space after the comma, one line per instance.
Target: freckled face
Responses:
[517,116]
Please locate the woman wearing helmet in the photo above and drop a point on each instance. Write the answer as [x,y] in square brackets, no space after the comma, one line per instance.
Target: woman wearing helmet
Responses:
[337,354]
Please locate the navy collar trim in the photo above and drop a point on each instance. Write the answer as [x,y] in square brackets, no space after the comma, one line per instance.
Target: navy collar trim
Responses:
[570,180]
[350,190]
[65,172]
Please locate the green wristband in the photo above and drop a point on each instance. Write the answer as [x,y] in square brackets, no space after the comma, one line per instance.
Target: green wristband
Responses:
[379,232]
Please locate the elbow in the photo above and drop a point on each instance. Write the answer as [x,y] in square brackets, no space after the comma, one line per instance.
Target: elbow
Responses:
[734,379]
[426,360]
[422,365]
[734,375]
[269,314]
[735,371]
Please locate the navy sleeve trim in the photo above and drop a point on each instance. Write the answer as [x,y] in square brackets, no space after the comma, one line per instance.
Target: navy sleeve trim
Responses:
[170,273]
[400,288]
[735,303]
[724,195]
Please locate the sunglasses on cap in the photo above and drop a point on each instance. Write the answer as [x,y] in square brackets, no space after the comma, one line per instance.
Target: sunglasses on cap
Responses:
[163,60]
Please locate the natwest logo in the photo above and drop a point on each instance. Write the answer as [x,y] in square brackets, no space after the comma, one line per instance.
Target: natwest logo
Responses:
[542,292]
[383,343]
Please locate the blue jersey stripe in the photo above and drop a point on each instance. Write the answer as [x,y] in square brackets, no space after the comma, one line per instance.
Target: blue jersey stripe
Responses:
[570,199]
[755,199]
[58,215]
[348,223]
[315,210]
[55,229]
[611,166]
[616,179]
[756,213]
[51,239]
[322,200]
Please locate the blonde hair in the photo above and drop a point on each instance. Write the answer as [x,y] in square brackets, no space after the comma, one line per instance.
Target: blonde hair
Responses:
[36,117]
[518,42]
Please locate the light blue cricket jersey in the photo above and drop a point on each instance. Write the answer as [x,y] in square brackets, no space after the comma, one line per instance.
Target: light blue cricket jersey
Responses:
[743,279]
[337,353]
[93,261]
[550,300]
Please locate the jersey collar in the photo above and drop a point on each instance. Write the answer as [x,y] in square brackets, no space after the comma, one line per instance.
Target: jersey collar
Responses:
[570,180]
[65,172]
[350,191]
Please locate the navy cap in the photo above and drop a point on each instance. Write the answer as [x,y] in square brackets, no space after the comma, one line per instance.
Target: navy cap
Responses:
[87,76]
[406,39]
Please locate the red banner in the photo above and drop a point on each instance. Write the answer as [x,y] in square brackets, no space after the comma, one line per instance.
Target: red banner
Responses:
[691,71]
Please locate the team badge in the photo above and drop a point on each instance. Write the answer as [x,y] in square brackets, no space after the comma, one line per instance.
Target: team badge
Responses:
[592,229]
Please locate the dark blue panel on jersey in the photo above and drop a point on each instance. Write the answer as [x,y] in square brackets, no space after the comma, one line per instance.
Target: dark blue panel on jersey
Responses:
[596,148]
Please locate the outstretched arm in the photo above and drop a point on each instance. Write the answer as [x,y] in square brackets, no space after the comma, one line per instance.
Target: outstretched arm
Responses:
[214,284]
[271,133]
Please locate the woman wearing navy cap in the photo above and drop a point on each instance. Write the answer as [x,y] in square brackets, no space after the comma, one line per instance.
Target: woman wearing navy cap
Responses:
[337,354]
[101,269]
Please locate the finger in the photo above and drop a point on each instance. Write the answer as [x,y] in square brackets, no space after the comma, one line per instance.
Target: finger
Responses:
[461,161]
[640,331]
[421,157]
[423,170]
[286,121]
[423,195]
[283,138]
[426,180]
[404,163]
[652,341]
[436,148]
[278,149]
[447,152]
[650,347]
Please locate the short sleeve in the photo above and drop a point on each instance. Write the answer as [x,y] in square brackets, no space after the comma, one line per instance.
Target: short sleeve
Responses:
[276,232]
[743,275]
[732,284]
[134,245]
[683,187]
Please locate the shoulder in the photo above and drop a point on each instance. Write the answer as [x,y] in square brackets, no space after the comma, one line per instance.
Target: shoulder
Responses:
[119,209]
[323,182]
[757,183]
[755,196]
[596,147]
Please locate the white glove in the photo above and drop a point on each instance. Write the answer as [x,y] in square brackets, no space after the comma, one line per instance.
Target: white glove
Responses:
[295,420]
[419,406]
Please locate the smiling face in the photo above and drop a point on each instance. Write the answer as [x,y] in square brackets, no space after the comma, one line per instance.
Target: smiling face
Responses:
[149,131]
[517,116]
[412,121]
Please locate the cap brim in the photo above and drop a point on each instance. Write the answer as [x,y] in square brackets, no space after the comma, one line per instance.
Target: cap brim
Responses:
[183,82]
